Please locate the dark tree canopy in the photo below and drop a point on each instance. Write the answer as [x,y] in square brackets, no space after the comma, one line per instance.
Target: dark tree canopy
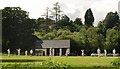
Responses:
[111,20]
[78,21]
[64,22]
[17,29]
[89,18]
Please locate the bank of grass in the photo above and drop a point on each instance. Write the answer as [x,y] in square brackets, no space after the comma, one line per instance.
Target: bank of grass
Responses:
[58,61]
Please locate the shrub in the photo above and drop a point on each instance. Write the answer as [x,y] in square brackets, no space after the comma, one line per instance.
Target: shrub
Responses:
[50,64]
[116,62]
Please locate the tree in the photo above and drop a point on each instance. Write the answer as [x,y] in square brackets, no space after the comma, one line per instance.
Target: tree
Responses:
[101,28]
[118,25]
[113,40]
[44,25]
[56,12]
[78,21]
[89,18]
[88,39]
[111,20]
[64,22]
[17,29]
[95,39]
[39,24]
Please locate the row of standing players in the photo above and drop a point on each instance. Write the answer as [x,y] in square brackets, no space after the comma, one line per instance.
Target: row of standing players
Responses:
[99,52]
[18,51]
[31,52]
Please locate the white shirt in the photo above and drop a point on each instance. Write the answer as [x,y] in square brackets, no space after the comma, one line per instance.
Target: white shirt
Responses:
[31,51]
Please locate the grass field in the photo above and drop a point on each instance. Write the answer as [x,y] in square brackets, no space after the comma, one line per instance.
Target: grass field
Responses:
[74,61]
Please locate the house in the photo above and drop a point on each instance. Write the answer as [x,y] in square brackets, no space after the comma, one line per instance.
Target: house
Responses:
[52,47]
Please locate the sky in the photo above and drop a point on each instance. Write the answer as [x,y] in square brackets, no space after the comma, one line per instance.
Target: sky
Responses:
[72,8]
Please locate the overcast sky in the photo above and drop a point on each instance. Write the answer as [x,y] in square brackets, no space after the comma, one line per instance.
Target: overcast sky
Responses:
[72,8]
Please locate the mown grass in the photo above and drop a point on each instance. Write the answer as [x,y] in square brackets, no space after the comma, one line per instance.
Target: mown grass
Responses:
[63,61]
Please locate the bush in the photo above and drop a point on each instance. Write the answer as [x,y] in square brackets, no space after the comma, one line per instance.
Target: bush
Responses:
[50,64]
[116,62]
[55,65]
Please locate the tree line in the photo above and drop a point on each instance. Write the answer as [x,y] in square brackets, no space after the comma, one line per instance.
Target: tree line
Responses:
[20,31]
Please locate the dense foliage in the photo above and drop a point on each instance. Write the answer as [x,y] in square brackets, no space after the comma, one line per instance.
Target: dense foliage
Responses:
[19,31]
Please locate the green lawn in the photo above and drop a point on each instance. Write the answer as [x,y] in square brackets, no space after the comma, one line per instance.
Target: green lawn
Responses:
[75,61]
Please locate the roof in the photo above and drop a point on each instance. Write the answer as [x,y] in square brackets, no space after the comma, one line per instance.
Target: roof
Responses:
[53,44]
